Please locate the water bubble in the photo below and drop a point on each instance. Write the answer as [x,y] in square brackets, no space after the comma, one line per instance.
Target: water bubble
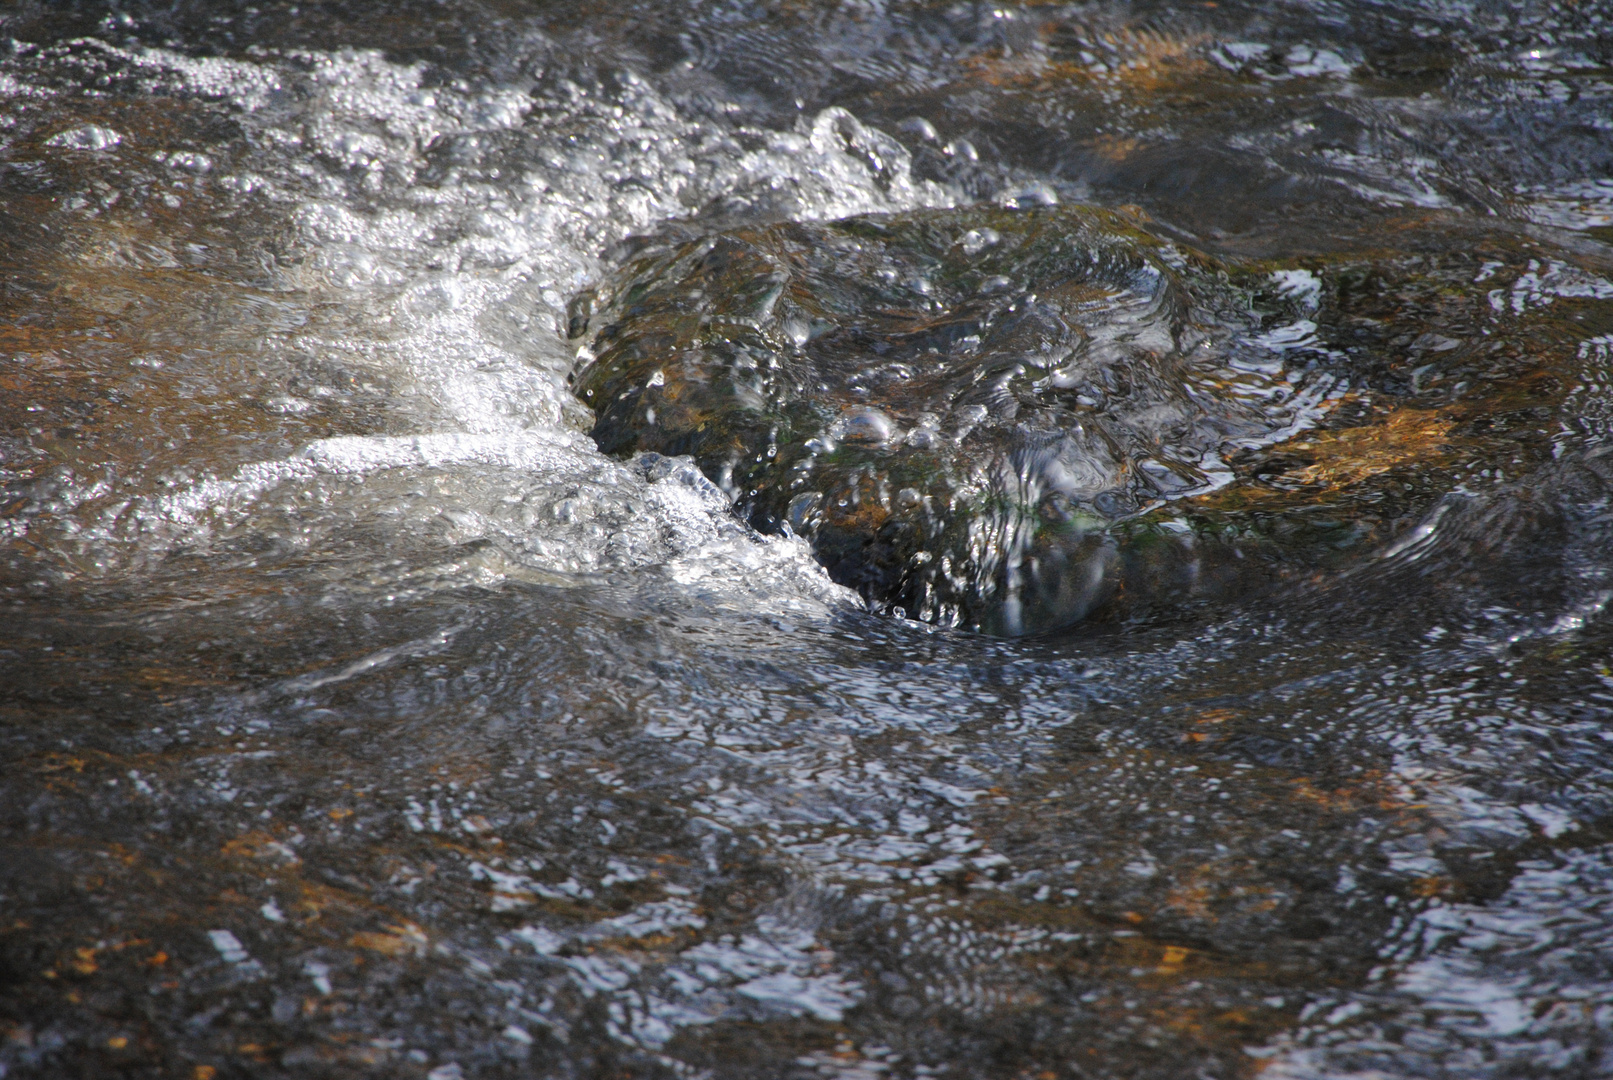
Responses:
[919,128]
[1028,196]
[975,241]
[91,137]
[866,426]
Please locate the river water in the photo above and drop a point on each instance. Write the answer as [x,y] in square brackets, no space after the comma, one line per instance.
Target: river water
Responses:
[362,718]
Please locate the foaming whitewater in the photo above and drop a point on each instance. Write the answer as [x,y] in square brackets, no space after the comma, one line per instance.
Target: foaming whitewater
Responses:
[447,225]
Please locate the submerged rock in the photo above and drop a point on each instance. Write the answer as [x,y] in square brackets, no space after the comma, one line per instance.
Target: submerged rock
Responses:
[955,407]
[979,417]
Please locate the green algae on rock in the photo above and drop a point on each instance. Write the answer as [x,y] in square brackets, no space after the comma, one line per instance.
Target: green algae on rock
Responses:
[957,407]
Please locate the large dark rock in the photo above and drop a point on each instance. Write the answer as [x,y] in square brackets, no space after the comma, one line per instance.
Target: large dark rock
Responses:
[974,415]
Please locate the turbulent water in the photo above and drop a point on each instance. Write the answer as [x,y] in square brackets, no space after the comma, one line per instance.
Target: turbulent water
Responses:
[1179,649]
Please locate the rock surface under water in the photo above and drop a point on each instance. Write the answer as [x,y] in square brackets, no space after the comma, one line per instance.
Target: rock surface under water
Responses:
[1005,419]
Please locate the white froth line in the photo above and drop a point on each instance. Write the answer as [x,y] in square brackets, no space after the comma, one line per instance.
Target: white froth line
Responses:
[421,647]
[365,453]
[357,455]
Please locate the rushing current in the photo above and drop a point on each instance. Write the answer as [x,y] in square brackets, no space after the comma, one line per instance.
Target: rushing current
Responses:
[830,538]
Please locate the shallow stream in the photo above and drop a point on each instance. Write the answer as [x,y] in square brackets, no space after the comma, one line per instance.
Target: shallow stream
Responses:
[806,539]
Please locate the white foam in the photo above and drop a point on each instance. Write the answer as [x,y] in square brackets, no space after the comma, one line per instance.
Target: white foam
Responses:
[440,261]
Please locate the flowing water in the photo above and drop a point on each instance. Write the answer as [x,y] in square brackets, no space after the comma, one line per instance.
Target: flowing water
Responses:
[806,539]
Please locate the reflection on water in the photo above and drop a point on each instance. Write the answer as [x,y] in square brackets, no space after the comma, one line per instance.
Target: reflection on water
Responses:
[363,717]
